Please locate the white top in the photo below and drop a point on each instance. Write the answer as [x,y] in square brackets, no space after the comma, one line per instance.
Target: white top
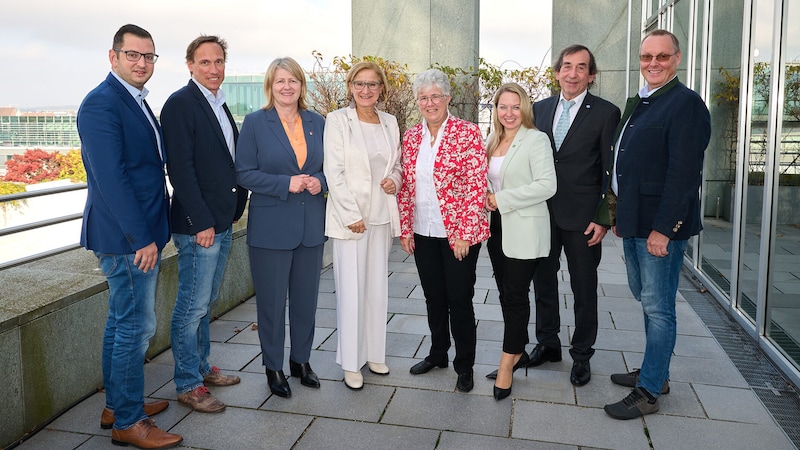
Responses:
[378,154]
[494,172]
[428,219]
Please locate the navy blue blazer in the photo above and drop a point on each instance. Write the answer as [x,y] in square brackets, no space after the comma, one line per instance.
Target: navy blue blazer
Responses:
[200,167]
[582,163]
[127,202]
[660,164]
[265,162]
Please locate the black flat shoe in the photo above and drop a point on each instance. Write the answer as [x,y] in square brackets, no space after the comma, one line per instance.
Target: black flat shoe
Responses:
[304,372]
[524,360]
[278,384]
[500,393]
[581,373]
[465,383]
[424,367]
[542,354]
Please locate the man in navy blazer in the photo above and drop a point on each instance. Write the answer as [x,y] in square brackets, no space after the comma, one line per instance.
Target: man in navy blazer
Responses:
[125,224]
[200,136]
[657,173]
[581,134]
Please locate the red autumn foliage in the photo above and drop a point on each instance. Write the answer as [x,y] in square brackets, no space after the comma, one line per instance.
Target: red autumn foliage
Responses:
[33,166]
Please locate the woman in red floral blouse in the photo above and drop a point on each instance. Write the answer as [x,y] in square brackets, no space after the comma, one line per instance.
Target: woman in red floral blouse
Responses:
[443,221]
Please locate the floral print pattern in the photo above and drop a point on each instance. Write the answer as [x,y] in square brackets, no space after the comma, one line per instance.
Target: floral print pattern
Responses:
[459,178]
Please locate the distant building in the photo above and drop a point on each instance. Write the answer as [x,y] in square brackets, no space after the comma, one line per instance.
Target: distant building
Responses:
[38,129]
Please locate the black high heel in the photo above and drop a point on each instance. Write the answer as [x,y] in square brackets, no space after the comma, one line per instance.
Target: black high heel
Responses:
[524,359]
[500,393]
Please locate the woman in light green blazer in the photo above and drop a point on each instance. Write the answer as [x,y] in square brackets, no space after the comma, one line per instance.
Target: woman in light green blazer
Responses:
[521,178]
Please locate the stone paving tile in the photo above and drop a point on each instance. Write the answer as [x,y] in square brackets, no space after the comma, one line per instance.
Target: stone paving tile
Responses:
[699,347]
[709,397]
[448,411]
[334,400]
[679,432]
[48,439]
[732,404]
[158,375]
[242,428]
[550,422]
[407,306]
[460,441]
[335,434]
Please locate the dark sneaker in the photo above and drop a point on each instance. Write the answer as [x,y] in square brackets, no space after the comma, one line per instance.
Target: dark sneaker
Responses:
[631,378]
[637,404]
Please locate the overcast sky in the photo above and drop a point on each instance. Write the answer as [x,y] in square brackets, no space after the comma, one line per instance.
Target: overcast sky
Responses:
[56,51]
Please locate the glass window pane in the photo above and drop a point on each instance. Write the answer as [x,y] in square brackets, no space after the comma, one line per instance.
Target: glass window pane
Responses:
[783,299]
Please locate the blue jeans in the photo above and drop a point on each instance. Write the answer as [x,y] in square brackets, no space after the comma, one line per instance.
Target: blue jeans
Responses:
[130,325]
[200,273]
[654,282]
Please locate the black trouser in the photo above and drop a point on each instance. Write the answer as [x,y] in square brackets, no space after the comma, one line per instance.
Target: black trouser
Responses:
[582,262]
[513,278]
[449,285]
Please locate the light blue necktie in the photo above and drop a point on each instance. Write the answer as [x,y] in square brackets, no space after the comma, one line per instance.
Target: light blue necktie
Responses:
[563,122]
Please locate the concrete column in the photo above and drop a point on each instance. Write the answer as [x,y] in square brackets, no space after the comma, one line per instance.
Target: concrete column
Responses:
[420,33]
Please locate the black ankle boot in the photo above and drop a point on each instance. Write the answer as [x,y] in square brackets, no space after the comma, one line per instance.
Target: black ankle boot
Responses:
[305,373]
[278,384]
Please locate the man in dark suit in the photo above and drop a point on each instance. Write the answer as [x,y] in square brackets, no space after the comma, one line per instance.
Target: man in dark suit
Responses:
[658,169]
[200,136]
[581,127]
[125,224]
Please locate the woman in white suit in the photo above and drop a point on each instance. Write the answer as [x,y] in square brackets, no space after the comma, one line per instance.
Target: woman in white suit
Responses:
[362,166]
[521,177]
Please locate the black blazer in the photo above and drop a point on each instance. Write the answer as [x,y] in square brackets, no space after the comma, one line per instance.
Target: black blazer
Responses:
[583,163]
[200,166]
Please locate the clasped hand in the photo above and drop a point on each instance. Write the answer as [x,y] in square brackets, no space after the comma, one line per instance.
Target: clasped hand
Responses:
[303,182]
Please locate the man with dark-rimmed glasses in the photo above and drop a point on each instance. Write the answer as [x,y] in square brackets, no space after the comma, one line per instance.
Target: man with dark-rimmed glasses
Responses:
[125,224]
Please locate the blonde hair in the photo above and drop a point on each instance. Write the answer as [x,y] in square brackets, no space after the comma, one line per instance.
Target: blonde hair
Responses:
[291,66]
[367,65]
[526,112]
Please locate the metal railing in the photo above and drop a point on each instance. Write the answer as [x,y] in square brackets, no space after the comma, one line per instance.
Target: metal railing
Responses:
[40,224]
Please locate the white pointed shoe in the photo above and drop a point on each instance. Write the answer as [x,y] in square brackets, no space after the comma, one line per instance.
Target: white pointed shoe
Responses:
[378,368]
[353,380]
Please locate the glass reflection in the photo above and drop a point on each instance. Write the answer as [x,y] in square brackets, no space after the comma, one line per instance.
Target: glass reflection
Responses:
[783,300]
[716,239]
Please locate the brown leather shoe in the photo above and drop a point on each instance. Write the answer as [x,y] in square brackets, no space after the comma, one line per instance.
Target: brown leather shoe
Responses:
[216,378]
[151,409]
[201,400]
[145,434]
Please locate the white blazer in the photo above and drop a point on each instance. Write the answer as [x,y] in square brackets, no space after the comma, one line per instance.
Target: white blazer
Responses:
[527,180]
[347,170]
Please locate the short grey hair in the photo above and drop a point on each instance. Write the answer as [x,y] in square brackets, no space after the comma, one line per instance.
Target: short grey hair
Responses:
[431,78]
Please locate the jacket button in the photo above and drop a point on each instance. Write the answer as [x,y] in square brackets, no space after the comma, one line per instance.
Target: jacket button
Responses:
[233,189]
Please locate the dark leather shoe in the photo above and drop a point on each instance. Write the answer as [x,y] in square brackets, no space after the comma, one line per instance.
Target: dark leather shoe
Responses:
[151,409]
[465,382]
[424,367]
[524,361]
[278,384]
[304,372]
[145,434]
[581,373]
[542,354]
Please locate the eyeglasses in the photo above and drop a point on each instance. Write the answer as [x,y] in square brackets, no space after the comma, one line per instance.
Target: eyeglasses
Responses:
[435,99]
[371,85]
[661,57]
[133,56]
